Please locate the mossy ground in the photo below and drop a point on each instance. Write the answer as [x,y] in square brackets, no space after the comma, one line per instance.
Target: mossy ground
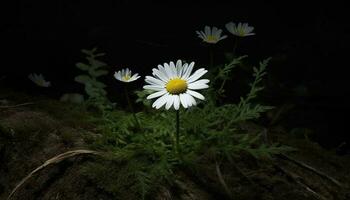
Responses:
[32,134]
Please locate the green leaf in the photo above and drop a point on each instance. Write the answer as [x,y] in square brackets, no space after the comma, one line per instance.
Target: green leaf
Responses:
[82,79]
[95,64]
[87,52]
[99,84]
[99,73]
[100,54]
[83,66]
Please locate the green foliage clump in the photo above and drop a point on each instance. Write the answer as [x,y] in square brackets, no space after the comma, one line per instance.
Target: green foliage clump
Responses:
[131,172]
[94,88]
[143,160]
[223,73]
[219,126]
[141,97]
[139,163]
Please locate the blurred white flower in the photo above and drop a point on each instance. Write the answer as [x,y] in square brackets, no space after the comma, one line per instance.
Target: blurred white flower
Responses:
[124,75]
[39,80]
[240,30]
[211,35]
[174,85]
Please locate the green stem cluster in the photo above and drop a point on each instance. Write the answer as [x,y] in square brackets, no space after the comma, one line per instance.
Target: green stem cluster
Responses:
[235,45]
[130,106]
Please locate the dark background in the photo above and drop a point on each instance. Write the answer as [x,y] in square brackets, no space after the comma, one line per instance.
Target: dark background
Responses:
[308,44]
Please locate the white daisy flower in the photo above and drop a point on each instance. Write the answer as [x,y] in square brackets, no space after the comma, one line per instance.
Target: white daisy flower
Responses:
[240,30]
[174,85]
[124,75]
[39,80]
[211,35]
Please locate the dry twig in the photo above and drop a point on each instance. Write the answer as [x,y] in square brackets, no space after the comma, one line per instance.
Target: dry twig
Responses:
[298,179]
[308,167]
[18,105]
[51,161]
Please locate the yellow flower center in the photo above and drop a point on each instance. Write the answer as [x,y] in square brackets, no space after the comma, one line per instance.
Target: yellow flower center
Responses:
[176,86]
[126,77]
[211,39]
[241,32]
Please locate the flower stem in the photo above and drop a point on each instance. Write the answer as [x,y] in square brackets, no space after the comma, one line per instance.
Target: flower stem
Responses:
[222,87]
[211,56]
[130,106]
[235,45]
[177,141]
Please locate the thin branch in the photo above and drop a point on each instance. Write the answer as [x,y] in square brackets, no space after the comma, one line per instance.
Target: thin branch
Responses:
[297,179]
[18,105]
[308,167]
[221,179]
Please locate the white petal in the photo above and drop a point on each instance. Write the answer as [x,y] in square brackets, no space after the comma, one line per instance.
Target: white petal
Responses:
[196,75]
[178,68]
[160,101]
[190,100]
[197,86]
[184,68]
[156,94]
[170,101]
[249,29]
[207,30]
[201,84]
[162,70]
[187,73]
[168,71]
[135,77]
[153,87]
[245,26]
[201,34]
[187,99]
[127,71]
[154,81]
[173,69]
[229,26]
[239,26]
[176,102]
[183,100]
[195,94]
[214,30]
[223,37]
[117,75]
[160,75]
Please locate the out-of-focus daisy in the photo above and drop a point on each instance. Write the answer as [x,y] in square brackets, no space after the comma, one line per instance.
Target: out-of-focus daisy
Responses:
[240,30]
[39,80]
[124,75]
[211,35]
[174,85]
